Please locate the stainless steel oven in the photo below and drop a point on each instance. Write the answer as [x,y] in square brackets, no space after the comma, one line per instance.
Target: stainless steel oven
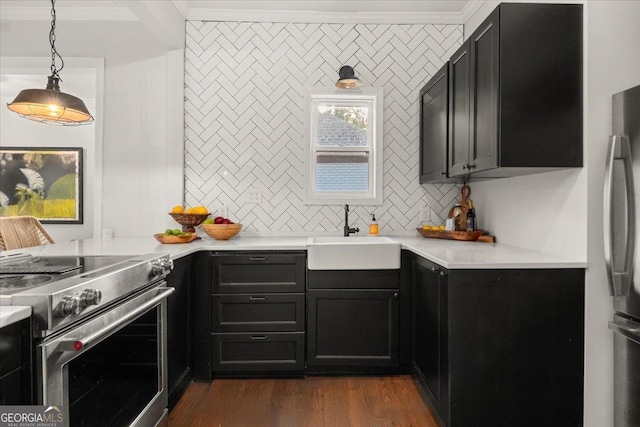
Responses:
[100,336]
[110,370]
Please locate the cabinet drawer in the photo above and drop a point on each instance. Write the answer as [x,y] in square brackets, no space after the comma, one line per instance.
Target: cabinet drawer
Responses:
[258,273]
[262,312]
[257,352]
[354,279]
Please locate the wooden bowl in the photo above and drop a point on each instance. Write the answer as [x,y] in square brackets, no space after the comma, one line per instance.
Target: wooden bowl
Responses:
[221,231]
[169,239]
[189,220]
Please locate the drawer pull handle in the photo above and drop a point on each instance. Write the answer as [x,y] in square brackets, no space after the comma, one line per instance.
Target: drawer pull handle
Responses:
[257,298]
[258,337]
[258,258]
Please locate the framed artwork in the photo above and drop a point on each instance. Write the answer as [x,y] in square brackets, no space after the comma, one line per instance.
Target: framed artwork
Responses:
[42,182]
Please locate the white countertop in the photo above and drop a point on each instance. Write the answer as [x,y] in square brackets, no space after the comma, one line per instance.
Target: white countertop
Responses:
[448,253]
[11,314]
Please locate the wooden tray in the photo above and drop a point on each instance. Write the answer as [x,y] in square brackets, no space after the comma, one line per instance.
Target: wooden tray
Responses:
[451,235]
[165,238]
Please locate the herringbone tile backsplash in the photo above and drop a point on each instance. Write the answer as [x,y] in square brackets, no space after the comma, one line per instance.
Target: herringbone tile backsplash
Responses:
[244,104]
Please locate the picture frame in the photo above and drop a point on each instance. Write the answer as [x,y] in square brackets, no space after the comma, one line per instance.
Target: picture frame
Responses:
[44,182]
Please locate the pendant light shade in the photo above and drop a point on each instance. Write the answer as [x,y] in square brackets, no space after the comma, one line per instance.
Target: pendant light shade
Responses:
[49,105]
[348,79]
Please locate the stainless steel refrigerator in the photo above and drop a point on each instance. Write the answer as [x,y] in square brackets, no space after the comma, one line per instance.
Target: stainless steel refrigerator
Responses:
[622,252]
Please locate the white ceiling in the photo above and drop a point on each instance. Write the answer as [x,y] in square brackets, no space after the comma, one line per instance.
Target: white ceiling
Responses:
[123,30]
[279,10]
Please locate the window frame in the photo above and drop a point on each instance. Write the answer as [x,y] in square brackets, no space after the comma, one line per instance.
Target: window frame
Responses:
[371,97]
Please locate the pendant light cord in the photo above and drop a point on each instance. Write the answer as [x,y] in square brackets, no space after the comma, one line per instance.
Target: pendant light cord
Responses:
[52,42]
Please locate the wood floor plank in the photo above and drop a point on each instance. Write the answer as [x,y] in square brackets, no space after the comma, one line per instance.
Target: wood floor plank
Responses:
[309,402]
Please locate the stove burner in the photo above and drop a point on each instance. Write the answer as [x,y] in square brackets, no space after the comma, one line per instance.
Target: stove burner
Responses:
[22,281]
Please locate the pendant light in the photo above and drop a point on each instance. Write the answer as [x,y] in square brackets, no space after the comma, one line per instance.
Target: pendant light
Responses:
[49,105]
[348,79]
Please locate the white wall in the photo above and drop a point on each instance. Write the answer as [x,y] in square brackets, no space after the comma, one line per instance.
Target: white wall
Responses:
[550,208]
[142,167]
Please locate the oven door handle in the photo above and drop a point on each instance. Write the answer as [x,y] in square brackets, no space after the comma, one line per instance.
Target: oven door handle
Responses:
[81,344]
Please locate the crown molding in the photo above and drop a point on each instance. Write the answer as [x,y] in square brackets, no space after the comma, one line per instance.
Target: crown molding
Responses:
[97,13]
[470,9]
[314,17]
[182,6]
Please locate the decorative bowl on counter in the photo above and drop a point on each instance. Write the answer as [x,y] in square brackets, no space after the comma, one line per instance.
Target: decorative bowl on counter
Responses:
[221,231]
[182,238]
[189,220]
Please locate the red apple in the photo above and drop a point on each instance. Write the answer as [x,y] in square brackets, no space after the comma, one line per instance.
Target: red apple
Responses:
[227,221]
[218,220]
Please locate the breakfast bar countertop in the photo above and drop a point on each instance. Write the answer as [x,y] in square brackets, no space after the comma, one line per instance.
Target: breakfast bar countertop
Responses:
[447,253]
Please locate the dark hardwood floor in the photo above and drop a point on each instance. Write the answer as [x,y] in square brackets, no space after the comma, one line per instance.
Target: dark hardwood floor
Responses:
[313,401]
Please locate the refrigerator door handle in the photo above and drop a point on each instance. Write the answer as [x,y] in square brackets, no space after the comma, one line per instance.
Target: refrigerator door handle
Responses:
[626,328]
[619,265]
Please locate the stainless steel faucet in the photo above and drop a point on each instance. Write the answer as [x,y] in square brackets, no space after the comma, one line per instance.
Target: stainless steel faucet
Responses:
[348,230]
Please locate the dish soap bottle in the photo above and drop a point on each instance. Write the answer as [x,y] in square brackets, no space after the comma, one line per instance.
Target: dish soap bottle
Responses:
[373,226]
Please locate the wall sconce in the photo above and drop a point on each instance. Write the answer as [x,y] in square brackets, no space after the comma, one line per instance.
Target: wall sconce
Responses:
[49,105]
[348,79]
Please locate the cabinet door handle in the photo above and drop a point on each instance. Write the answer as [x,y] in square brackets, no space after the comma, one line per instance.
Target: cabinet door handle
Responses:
[395,294]
[471,166]
[464,167]
[258,258]
[257,298]
[258,337]
[443,173]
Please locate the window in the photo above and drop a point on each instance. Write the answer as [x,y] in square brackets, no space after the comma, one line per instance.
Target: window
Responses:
[343,141]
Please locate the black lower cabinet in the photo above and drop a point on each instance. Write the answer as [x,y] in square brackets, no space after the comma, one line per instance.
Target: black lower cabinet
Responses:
[353,318]
[258,352]
[256,314]
[500,347]
[180,326]
[430,331]
[353,327]
[15,364]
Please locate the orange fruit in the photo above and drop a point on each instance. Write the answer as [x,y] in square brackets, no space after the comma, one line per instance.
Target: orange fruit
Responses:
[177,209]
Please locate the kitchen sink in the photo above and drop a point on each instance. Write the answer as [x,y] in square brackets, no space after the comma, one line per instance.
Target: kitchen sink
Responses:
[353,253]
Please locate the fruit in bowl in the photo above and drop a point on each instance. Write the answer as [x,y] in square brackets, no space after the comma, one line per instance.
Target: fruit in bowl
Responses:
[221,231]
[190,217]
[175,236]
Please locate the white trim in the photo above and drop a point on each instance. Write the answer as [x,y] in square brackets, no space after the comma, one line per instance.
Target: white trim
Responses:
[182,6]
[470,9]
[373,95]
[315,17]
[99,135]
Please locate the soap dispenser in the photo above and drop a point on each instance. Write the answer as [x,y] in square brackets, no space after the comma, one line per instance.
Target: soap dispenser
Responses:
[373,226]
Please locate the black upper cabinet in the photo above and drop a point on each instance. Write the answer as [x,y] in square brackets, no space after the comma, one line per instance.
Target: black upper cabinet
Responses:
[515,90]
[434,127]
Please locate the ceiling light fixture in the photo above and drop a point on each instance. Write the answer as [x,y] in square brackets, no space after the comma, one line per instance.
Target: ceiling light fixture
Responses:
[348,79]
[50,105]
